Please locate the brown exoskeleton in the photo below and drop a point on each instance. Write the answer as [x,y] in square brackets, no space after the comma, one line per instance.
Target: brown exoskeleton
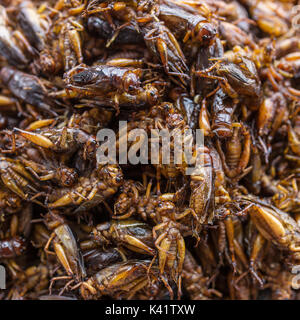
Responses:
[28,88]
[90,120]
[222,110]
[287,195]
[45,166]
[65,248]
[120,280]
[69,31]
[286,45]
[12,247]
[34,25]
[202,185]
[188,109]
[14,232]
[168,229]
[29,282]
[100,79]
[148,95]
[89,191]
[9,202]
[235,36]
[17,178]
[65,140]
[289,64]
[293,140]
[204,119]
[239,287]
[271,17]
[171,249]
[221,193]
[162,43]
[187,23]
[135,200]
[121,34]
[275,225]
[204,59]
[9,48]
[236,160]
[159,117]
[194,282]
[231,245]
[237,76]
[272,112]
[96,258]
[132,234]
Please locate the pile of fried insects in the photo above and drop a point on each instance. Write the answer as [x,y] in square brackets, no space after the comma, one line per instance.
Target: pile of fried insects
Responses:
[72,227]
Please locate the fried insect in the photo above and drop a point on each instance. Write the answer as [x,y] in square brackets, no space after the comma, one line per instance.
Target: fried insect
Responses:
[132,234]
[65,140]
[8,44]
[101,79]
[270,17]
[119,280]
[16,178]
[65,246]
[28,88]
[237,76]
[109,190]
[33,25]
[33,280]
[45,166]
[70,42]
[11,248]
[121,34]
[236,160]
[186,23]
[276,226]
[9,202]
[96,259]
[195,283]
[89,191]
[161,43]
[202,186]
[222,110]
[271,114]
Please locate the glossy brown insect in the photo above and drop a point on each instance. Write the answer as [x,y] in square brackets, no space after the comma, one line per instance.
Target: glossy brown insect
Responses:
[165,214]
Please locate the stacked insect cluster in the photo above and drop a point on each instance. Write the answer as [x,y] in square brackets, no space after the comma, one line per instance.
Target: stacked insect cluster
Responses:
[72,227]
